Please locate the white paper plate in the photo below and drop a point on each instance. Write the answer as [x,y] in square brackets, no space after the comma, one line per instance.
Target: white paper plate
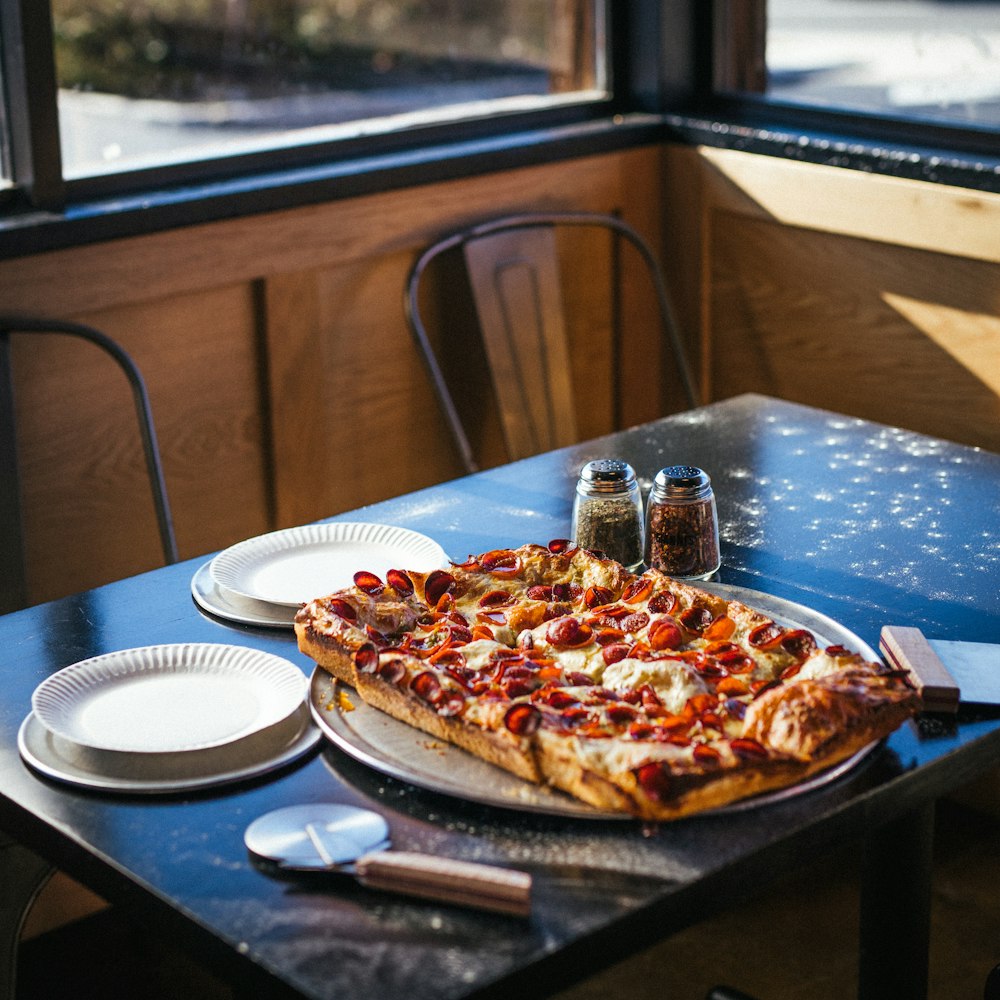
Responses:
[294,566]
[166,773]
[223,603]
[169,699]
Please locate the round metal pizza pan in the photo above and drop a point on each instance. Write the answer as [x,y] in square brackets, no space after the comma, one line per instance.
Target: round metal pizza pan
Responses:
[400,751]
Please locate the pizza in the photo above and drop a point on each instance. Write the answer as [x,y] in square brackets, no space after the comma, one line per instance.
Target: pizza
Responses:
[639,694]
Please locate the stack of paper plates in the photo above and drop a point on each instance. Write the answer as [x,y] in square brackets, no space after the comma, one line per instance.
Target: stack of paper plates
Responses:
[264,580]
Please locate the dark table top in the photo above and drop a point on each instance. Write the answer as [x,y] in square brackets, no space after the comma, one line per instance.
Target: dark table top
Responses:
[867,524]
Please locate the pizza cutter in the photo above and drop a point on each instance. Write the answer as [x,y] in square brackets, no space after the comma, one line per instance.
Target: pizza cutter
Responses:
[328,837]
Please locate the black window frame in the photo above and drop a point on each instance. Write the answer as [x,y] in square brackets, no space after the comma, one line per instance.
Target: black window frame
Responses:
[665,86]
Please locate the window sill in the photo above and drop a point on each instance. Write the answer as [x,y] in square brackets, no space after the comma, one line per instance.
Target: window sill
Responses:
[808,144]
[28,232]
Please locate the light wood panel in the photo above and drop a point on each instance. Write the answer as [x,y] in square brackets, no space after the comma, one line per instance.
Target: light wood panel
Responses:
[866,294]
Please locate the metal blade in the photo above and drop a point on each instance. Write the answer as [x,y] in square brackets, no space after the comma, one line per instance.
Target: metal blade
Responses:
[975,667]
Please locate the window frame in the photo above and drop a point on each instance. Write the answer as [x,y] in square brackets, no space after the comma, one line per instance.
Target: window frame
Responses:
[37,166]
[668,63]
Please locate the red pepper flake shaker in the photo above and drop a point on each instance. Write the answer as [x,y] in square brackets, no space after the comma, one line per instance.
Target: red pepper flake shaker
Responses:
[682,525]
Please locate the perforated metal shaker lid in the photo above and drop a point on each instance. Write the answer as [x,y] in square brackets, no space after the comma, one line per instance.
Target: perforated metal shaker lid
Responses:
[607,475]
[681,482]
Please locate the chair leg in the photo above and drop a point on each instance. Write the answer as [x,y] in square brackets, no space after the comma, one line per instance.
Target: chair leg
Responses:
[24,874]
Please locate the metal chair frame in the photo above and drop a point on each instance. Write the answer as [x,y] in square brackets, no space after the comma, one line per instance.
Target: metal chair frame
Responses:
[13,587]
[527,221]
[25,873]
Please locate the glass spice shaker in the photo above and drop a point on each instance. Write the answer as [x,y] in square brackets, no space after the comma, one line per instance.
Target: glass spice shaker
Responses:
[682,525]
[607,511]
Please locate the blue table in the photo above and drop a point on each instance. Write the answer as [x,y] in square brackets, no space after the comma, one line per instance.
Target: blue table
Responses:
[867,524]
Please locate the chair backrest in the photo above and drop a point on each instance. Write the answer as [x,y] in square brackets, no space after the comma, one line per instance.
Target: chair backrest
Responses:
[13,576]
[514,276]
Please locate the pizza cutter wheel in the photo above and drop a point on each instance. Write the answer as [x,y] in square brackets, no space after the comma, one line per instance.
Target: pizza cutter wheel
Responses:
[327,837]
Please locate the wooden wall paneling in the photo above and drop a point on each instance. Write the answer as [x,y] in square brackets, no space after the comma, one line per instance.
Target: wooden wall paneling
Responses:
[259,334]
[859,343]
[685,250]
[89,515]
[893,210]
[848,283]
[301,441]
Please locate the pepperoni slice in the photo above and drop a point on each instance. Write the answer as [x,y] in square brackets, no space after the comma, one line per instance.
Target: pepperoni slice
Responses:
[638,590]
[621,713]
[696,619]
[663,603]
[495,598]
[748,749]
[539,592]
[634,622]
[665,633]
[560,698]
[721,628]
[737,662]
[426,686]
[799,643]
[366,658]
[368,582]
[706,756]
[765,636]
[575,678]
[614,653]
[566,592]
[596,596]
[503,562]
[399,582]
[340,607]
[568,632]
[494,619]
[558,546]
[732,686]
[380,640]
[654,779]
[447,657]
[522,719]
[393,670]
[609,636]
[437,584]
[450,704]
[482,632]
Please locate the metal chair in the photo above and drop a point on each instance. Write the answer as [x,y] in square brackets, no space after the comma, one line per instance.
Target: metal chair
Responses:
[24,873]
[513,273]
[13,588]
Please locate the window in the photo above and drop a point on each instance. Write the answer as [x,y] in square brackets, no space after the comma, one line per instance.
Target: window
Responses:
[924,60]
[145,81]
[151,84]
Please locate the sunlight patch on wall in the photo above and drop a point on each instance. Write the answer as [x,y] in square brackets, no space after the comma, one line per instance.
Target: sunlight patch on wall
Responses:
[972,339]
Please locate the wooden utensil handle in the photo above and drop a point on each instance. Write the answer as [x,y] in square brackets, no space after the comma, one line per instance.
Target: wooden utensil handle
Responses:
[907,649]
[463,883]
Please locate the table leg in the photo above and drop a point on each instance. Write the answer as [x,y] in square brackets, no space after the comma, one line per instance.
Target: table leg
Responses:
[24,874]
[896,908]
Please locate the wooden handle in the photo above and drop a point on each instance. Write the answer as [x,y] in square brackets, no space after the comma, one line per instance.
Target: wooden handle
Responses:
[907,649]
[463,883]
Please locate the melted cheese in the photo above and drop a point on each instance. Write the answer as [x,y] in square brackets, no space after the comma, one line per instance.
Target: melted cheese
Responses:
[672,680]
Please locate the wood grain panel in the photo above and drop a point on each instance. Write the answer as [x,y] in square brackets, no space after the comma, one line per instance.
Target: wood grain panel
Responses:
[88,511]
[900,336]
[891,210]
